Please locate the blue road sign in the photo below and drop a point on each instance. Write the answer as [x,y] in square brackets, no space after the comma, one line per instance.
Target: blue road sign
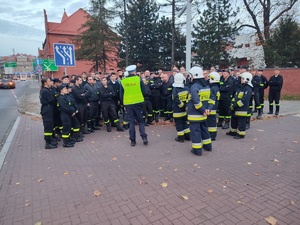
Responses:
[64,54]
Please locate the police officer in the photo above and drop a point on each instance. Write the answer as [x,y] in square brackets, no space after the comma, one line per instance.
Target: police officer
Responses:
[198,110]
[214,80]
[48,103]
[240,107]
[180,99]
[275,83]
[131,92]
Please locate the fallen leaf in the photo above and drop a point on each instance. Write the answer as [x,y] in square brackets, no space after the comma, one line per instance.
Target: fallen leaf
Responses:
[17,183]
[39,180]
[292,203]
[296,142]
[185,197]
[255,139]
[290,150]
[276,160]
[217,169]
[253,147]
[26,204]
[257,174]
[164,184]
[271,220]
[147,200]
[260,130]
[240,203]
[66,173]
[158,135]
[226,181]
[159,168]
[195,165]
[97,193]
[210,191]
[114,158]
[175,169]
[249,163]
[92,142]
[150,212]
[90,175]
[38,223]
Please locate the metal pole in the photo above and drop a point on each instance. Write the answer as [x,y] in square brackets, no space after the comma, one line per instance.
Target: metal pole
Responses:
[188,35]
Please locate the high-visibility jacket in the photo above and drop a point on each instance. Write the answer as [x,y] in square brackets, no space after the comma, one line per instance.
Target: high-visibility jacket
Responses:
[132,90]
[198,102]
[240,102]
[180,99]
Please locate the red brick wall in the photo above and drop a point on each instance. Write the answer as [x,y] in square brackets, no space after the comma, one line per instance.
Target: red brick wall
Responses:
[291,80]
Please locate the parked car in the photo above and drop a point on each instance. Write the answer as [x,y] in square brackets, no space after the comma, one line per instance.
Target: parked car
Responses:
[7,83]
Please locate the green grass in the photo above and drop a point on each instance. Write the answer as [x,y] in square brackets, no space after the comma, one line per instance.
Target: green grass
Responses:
[290,97]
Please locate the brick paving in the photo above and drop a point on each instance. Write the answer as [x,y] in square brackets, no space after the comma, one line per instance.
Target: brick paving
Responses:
[239,182]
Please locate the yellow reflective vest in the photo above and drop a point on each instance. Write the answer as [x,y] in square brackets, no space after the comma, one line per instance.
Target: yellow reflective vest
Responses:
[132,90]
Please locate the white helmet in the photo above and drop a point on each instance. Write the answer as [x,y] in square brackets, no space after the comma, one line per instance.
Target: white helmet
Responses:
[214,77]
[178,80]
[196,72]
[248,78]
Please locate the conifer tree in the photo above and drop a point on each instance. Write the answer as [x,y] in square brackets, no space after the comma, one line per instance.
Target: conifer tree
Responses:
[143,47]
[97,42]
[213,32]
[283,47]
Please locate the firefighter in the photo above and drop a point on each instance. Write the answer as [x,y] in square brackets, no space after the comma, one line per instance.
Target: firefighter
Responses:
[108,106]
[155,84]
[275,83]
[166,97]
[92,94]
[79,94]
[226,90]
[214,80]
[240,106]
[67,114]
[57,123]
[198,111]
[255,95]
[131,92]
[180,99]
[148,109]
[263,85]
[48,103]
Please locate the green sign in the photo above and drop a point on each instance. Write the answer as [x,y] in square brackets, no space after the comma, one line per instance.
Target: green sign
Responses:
[46,64]
[10,64]
[49,65]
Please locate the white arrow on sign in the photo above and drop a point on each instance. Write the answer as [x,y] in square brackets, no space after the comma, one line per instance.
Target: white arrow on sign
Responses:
[58,52]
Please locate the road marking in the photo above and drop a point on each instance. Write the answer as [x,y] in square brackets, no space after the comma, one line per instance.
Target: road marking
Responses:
[15,97]
[8,142]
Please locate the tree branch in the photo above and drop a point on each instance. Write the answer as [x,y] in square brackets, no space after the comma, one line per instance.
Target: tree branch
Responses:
[293,2]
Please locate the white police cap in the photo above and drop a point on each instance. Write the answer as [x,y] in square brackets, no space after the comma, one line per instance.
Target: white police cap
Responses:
[131,68]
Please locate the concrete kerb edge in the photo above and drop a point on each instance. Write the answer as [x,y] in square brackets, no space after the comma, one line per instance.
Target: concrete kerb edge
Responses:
[8,141]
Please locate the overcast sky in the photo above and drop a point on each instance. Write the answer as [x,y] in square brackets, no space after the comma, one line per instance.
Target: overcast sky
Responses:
[22,28]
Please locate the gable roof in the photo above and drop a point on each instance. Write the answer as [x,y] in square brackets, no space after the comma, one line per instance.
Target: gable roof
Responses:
[69,25]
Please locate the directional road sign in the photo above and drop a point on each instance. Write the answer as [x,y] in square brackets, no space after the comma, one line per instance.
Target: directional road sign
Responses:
[64,55]
[49,65]
[10,64]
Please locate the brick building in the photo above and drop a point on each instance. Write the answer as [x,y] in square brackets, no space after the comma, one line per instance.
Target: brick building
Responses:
[65,32]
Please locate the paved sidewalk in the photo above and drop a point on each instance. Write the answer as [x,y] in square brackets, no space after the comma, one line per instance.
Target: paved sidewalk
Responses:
[104,180]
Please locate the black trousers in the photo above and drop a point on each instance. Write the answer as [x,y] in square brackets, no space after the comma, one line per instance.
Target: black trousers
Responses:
[167,106]
[224,109]
[109,111]
[92,111]
[82,113]
[255,98]
[238,124]
[261,97]
[156,103]
[148,109]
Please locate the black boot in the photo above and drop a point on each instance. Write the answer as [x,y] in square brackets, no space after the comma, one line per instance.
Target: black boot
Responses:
[94,127]
[53,141]
[145,140]
[197,152]
[156,117]
[187,136]
[68,143]
[119,127]
[179,138]
[84,129]
[48,144]
[77,137]
[277,110]
[226,124]
[150,120]
[259,115]
[220,122]
[126,126]
[108,127]
[231,133]
[89,127]
[238,136]
[270,109]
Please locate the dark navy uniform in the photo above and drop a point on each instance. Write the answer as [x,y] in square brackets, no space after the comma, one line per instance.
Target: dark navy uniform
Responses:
[212,117]
[275,84]
[166,99]
[155,85]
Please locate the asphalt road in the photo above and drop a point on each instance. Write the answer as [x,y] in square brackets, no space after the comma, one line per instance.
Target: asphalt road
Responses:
[10,101]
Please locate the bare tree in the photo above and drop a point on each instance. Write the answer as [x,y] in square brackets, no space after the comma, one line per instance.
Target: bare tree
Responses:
[270,11]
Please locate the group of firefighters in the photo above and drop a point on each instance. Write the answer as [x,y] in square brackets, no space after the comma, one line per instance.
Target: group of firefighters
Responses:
[198,101]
